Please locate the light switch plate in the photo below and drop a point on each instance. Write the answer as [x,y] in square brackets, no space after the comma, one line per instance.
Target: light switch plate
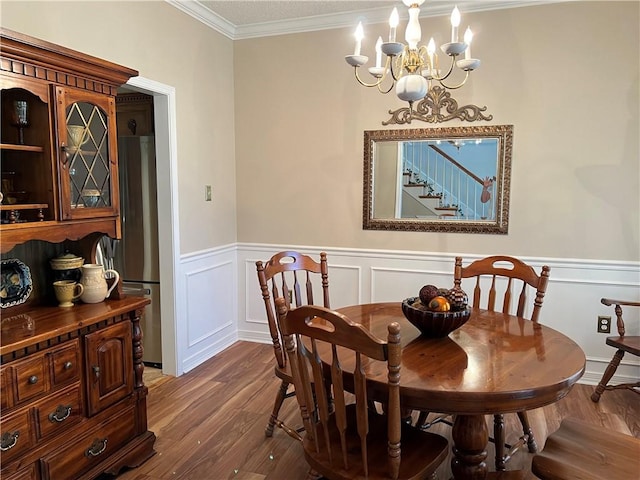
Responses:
[207,193]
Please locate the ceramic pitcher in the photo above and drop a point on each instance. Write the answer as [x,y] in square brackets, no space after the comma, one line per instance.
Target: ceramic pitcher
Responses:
[95,284]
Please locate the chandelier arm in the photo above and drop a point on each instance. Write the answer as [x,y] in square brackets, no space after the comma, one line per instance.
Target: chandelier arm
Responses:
[454,87]
[386,91]
[444,77]
[393,74]
[365,84]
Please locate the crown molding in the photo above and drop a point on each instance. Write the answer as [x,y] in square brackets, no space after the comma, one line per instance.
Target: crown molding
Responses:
[196,10]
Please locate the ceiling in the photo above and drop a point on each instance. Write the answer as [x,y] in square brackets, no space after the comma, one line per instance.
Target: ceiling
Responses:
[238,19]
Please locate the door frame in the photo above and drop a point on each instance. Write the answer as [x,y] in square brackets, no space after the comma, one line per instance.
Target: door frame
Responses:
[164,107]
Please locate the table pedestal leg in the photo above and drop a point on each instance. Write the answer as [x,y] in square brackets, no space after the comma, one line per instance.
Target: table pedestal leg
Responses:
[470,438]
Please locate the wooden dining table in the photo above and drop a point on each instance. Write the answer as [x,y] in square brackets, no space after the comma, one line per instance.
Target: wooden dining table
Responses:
[495,363]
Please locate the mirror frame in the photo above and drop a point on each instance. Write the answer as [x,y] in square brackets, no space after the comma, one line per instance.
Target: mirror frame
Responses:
[504,135]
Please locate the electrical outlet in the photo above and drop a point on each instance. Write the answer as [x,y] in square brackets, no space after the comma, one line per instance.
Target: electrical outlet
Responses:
[604,324]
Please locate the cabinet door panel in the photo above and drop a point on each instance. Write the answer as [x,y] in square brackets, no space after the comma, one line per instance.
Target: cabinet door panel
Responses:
[109,366]
[88,159]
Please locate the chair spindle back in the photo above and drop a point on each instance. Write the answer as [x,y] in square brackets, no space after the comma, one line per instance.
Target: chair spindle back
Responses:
[279,277]
[519,277]
[326,420]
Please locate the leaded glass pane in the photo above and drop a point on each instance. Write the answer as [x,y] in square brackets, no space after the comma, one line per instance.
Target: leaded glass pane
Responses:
[88,149]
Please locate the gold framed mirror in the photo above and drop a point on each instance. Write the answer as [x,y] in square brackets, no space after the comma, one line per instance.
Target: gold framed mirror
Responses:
[454,179]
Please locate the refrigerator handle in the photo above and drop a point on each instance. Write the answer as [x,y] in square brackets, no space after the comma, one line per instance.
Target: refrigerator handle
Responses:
[136,292]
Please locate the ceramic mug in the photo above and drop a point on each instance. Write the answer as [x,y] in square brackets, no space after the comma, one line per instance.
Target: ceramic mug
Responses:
[67,291]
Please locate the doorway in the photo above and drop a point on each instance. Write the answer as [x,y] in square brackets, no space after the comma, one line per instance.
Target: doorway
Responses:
[164,115]
[135,256]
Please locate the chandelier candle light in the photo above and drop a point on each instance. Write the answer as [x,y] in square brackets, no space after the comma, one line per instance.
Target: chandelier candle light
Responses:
[413,68]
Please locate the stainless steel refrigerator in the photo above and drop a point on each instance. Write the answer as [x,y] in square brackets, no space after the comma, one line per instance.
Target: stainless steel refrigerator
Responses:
[135,257]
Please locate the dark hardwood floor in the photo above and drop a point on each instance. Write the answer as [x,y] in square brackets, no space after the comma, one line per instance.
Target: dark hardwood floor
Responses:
[210,422]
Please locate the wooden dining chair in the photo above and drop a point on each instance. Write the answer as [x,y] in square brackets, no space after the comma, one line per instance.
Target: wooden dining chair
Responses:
[623,344]
[344,437]
[581,451]
[290,275]
[509,295]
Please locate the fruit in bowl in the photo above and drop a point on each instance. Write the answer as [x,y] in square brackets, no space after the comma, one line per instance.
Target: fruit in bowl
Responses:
[437,315]
[433,323]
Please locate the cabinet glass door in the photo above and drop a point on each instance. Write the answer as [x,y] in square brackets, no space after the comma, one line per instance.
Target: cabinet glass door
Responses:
[87,136]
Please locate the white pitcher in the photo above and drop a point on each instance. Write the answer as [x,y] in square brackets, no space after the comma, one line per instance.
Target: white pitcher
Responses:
[95,284]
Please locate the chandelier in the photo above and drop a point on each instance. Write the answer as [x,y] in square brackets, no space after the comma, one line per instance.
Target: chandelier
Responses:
[413,69]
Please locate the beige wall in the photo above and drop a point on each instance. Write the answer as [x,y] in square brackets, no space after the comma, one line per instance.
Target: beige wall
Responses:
[169,47]
[565,75]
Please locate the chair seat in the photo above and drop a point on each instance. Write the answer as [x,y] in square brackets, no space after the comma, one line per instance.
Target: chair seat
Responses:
[580,451]
[422,452]
[626,343]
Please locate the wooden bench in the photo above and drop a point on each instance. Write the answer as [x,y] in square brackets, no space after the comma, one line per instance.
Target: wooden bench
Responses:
[580,451]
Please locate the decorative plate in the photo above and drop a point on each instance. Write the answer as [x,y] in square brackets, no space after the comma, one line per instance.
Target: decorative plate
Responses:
[15,283]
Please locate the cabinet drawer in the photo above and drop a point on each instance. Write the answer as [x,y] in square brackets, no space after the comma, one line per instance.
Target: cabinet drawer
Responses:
[65,364]
[60,411]
[78,456]
[6,394]
[29,378]
[16,435]
[29,473]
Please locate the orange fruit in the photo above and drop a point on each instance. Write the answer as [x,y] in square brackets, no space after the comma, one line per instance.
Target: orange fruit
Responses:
[439,304]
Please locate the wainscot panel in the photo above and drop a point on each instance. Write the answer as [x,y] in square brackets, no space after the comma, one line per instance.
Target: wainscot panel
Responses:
[571,305]
[208,304]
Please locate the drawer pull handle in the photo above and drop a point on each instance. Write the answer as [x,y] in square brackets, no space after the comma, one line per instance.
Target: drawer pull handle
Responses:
[33,379]
[9,440]
[97,447]
[67,365]
[61,414]
[96,371]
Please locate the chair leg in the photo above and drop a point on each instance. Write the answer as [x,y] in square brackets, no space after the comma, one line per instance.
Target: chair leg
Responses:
[422,419]
[280,396]
[528,433]
[498,436]
[608,373]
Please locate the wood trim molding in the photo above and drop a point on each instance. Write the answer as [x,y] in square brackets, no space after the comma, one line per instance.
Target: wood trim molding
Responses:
[31,57]
[138,98]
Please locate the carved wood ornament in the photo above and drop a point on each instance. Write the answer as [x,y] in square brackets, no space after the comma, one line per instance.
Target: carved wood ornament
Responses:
[437,107]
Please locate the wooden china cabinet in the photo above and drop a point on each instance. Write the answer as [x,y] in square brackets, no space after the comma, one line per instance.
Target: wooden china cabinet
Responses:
[72,398]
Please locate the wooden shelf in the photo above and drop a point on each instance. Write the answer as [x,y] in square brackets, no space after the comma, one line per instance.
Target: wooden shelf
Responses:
[56,232]
[23,206]
[21,148]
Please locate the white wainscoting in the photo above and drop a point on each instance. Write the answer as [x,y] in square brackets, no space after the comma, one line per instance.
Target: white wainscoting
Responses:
[571,305]
[207,303]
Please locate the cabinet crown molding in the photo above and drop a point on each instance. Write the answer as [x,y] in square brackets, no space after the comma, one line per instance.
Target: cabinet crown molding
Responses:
[26,55]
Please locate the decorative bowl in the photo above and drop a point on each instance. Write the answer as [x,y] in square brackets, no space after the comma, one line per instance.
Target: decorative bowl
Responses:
[430,323]
[67,261]
[91,197]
